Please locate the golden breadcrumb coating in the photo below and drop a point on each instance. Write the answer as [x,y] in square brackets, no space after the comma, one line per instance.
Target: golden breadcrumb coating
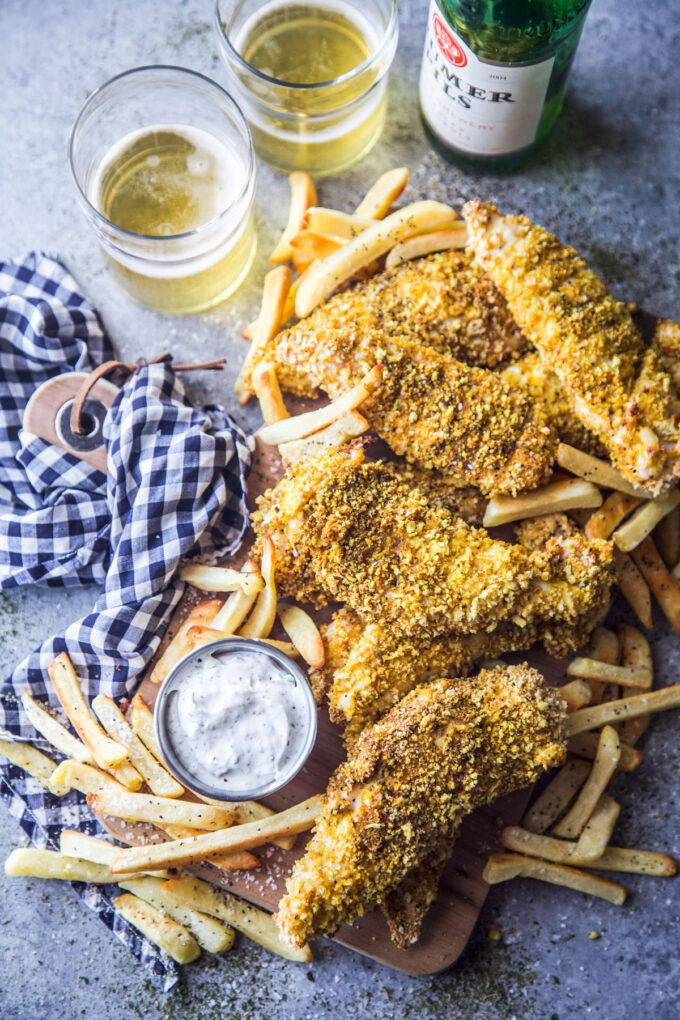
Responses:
[352,531]
[405,906]
[447,748]
[616,386]
[666,340]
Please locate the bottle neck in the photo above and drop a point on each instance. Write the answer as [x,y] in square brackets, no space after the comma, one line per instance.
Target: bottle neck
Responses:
[514,29]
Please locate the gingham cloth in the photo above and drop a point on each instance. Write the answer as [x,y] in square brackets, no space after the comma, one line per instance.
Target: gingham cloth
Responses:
[175,489]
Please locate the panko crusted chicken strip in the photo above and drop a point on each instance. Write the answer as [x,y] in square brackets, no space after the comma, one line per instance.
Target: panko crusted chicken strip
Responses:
[370,667]
[349,530]
[450,746]
[616,385]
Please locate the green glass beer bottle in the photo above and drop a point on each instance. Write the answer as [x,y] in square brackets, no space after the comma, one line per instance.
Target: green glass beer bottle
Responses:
[494,75]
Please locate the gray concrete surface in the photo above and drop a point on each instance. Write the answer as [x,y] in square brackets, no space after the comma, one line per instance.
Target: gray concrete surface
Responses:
[608,181]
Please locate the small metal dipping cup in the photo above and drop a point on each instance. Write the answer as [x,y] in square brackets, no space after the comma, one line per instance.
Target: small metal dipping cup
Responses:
[165,705]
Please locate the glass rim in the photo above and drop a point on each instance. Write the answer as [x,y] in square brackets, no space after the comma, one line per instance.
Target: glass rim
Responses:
[99,216]
[302,86]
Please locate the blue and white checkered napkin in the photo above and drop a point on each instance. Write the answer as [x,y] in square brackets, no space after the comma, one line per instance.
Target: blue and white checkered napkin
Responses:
[175,489]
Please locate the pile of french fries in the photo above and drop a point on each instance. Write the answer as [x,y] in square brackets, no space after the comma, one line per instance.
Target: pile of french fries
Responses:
[116,763]
[575,808]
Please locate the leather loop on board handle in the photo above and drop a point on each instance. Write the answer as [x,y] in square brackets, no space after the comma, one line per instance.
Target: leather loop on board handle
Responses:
[77,425]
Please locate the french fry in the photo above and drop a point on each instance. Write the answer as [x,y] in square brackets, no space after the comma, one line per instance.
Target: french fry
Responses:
[380,196]
[274,291]
[127,775]
[241,837]
[633,587]
[635,652]
[268,393]
[644,520]
[114,722]
[667,537]
[550,804]
[261,620]
[593,841]
[666,591]
[76,775]
[418,218]
[627,676]
[107,752]
[161,811]
[253,811]
[501,867]
[596,471]
[90,848]
[141,718]
[425,244]
[576,694]
[338,224]
[204,613]
[605,765]
[303,425]
[211,934]
[242,860]
[552,498]
[605,648]
[585,746]
[594,716]
[160,929]
[30,862]
[288,309]
[233,612]
[309,247]
[52,730]
[33,761]
[256,924]
[304,634]
[640,862]
[219,579]
[334,435]
[302,195]
[604,521]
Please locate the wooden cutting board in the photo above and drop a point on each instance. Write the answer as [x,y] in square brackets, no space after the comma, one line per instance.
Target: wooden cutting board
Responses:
[449,923]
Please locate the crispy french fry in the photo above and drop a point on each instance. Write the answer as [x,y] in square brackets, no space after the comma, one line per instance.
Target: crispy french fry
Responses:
[666,591]
[310,247]
[303,425]
[268,392]
[596,471]
[256,924]
[605,648]
[107,752]
[141,718]
[338,224]
[593,841]
[127,775]
[667,537]
[334,435]
[33,761]
[241,837]
[33,863]
[605,765]
[501,867]
[114,722]
[241,860]
[640,862]
[627,676]
[220,579]
[418,218]
[233,613]
[253,811]
[302,195]
[594,716]
[274,291]
[633,587]
[261,620]
[585,746]
[76,775]
[204,613]
[576,694]
[629,535]
[380,196]
[552,498]
[604,521]
[211,934]
[635,652]
[550,804]
[76,844]
[425,244]
[160,929]
[161,811]
[52,730]
[304,634]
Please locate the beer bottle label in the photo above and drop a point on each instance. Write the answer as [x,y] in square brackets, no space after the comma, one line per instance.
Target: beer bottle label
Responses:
[474,105]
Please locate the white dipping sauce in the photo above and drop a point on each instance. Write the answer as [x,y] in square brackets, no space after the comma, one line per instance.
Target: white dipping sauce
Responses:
[238,720]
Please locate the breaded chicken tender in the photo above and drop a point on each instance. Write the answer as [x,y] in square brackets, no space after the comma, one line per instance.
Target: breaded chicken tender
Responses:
[448,747]
[616,386]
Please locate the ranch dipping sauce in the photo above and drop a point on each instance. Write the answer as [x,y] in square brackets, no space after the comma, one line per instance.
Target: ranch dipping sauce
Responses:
[237,720]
